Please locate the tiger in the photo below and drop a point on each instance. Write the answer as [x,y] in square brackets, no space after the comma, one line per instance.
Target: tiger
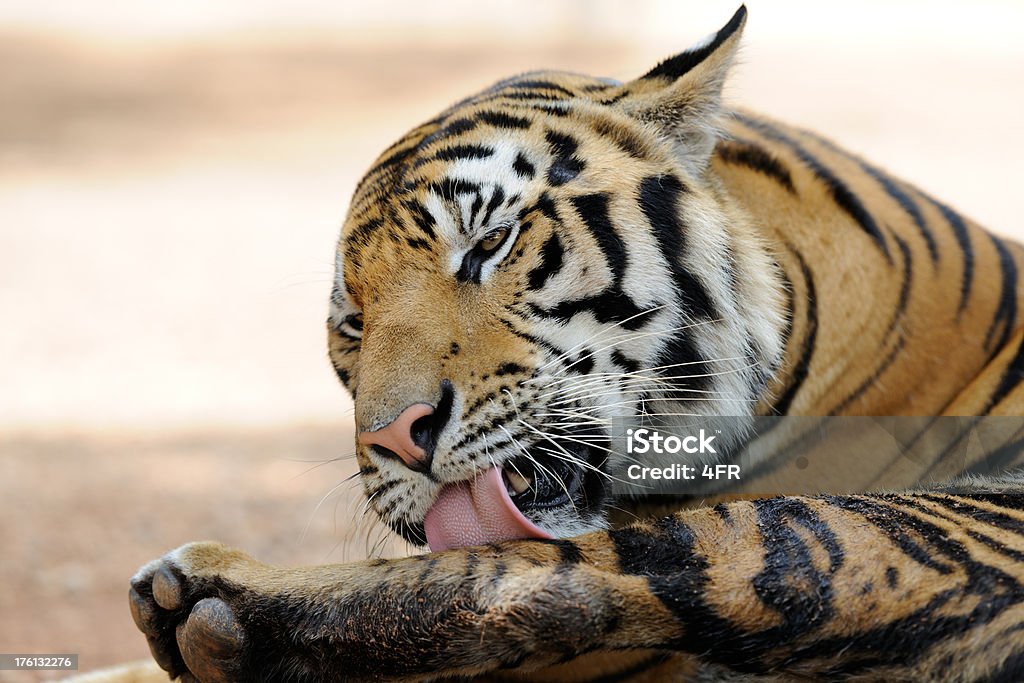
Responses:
[558,250]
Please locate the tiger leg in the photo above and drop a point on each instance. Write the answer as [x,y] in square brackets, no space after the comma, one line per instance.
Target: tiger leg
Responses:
[916,586]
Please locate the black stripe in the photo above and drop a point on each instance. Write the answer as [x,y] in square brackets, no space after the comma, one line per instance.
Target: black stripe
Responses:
[430,564]
[790,584]
[412,532]
[889,359]
[841,193]
[393,160]
[364,230]
[423,219]
[387,485]
[892,577]
[682,361]
[509,368]
[1010,501]
[497,197]
[533,84]
[896,524]
[568,551]
[500,119]
[456,152]
[623,94]
[621,136]
[663,548]
[593,211]
[474,209]
[946,516]
[523,167]
[1013,375]
[487,428]
[900,196]
[545,205]
[608,307]
[757,158]
[612,304]
[559,109]
[487,450]
[566,165]
[624,362]
[665,553]
[583,364]
[385,164]
[449,189]
[905,283]
[561,144]
[550,262]
[1006,312]
[674,67]
[799,373]
[555,351]
[908,205]
[454,127]
[522,94]
[963,239]
[997,519]
[922,628]
[472,562]
[659,201]
[722,510]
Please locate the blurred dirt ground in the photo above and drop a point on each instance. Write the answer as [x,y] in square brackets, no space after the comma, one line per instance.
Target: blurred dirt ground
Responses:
[168,211]
[82,512]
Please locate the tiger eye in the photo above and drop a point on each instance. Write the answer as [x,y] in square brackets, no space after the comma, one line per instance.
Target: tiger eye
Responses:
[493,239]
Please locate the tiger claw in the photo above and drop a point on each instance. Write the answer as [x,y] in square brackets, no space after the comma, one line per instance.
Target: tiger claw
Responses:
[212,641]
[203,642]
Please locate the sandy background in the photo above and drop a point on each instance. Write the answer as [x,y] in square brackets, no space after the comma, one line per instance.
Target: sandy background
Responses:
[172,177]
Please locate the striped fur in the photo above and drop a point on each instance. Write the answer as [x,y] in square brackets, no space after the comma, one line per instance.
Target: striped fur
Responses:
[654,254]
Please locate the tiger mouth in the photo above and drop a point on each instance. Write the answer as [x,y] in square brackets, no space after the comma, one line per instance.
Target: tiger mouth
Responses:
[511,502]
[533,485]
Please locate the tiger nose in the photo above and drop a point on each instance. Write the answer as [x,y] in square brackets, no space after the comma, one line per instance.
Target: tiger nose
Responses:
[410,436]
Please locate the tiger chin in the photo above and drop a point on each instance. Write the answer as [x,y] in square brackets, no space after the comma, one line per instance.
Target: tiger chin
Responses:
[558,252]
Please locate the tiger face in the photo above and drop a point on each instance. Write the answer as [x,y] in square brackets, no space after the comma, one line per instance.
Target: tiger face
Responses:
[538,261]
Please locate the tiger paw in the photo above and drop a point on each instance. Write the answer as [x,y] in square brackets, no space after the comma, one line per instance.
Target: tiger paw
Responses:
[192,630]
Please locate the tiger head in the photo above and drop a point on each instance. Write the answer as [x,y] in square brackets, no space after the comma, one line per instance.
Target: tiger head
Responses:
[542,259]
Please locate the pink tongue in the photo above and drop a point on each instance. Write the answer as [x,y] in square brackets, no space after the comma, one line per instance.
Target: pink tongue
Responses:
[476,512]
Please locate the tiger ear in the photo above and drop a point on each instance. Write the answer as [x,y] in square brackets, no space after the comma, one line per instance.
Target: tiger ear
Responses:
[682,96]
